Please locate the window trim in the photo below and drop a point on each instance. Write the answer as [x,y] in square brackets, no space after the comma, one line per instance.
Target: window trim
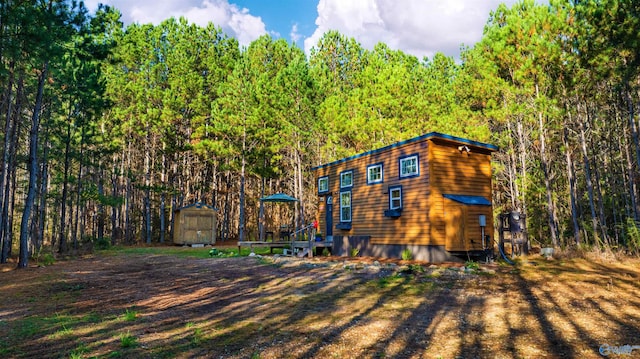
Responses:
[405,158]
[343,173]
[350,207]
[391,190]
[381,180]
[320,179]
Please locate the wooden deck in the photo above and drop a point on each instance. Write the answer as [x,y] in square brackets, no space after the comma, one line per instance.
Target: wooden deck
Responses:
[304,245]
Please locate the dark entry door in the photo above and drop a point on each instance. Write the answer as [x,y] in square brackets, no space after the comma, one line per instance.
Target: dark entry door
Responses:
[329,218]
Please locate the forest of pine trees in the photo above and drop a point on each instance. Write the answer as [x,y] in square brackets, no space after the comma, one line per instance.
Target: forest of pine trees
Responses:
[106,129]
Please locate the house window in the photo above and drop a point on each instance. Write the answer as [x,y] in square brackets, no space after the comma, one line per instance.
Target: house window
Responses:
[323,184]
[346,179]
[374,173]
[395,197]
[345,206]
[409,166]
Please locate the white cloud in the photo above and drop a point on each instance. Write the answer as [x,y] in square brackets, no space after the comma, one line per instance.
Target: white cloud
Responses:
[235,21]
[417,27]
[294,34]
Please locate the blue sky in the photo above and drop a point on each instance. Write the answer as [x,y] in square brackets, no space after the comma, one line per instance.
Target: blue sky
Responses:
[282,16]
[417,27]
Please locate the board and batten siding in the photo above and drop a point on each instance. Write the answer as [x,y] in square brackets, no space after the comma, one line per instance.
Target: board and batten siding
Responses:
[458,172]
[369,201]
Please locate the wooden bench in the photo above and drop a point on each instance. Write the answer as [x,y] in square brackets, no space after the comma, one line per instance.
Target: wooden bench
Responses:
[271,245]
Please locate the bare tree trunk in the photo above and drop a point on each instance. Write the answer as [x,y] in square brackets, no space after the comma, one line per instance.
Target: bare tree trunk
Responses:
[634,136]
[10,127]
[241,218]
[227,208]
[62,238]
[572,186]
[147,182]
[101,212]
[33,171]
[79,193]
[114,207]
[4,182]
[127,202]
[523,166]
[44,189]
[544,162]
[513,171]
[261,229]
[300,186]
[174,200]
[163,175]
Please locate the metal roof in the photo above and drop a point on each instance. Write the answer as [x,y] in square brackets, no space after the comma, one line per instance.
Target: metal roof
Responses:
[428,136]
[471,200]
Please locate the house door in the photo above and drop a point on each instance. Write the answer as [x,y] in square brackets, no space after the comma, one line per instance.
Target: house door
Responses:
[329,218]
[455,227]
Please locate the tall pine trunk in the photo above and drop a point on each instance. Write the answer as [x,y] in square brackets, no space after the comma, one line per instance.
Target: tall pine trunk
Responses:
[62,237]
[572,185]
[147,183]
[589,182]
[5,242]
[163,175]
[241,221]
[76,221]
[636,141]
[33,171]
[544,163]
[5,155]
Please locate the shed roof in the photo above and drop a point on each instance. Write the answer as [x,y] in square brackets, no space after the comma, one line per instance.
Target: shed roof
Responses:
[428,136]
[197,205]
[471,200]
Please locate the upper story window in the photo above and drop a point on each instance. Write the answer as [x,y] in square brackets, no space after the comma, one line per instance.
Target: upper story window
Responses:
[409,166]
[346,179]
[323,184]
[374,173]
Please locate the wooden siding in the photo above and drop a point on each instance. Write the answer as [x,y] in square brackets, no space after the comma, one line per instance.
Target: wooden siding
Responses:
[443,169]
[369,201]
[458,172]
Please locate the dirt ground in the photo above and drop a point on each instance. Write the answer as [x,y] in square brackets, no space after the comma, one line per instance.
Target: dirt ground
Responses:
[166,306]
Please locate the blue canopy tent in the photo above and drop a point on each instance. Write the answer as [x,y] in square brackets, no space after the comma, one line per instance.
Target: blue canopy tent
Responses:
[278,198]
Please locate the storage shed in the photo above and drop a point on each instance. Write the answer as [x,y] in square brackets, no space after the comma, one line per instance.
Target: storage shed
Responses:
[430,195]
[195,224]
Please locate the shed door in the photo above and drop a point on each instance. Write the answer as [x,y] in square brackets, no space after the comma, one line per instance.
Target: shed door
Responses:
[198,228]
[455,226]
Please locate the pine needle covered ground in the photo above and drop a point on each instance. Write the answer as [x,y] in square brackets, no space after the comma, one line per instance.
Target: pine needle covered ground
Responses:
[153,305]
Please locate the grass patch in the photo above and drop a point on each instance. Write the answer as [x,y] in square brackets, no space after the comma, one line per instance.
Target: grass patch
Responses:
[197,337]
[63,332]
[390,281]
[92,318]
[182,252]
[79,351]
[128,341]
[189,252]
[130,315]
[28,327]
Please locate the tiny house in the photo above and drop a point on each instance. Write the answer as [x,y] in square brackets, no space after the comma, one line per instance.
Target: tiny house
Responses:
[195,224]
[430,195]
